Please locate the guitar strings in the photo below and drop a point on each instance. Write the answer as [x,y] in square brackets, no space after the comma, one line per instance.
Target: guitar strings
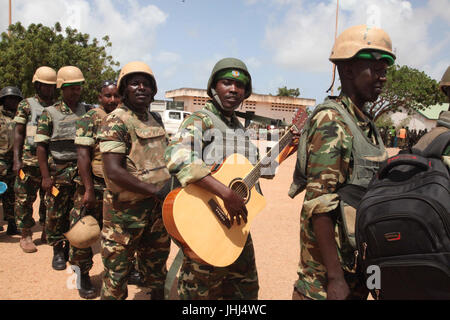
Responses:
[250,180]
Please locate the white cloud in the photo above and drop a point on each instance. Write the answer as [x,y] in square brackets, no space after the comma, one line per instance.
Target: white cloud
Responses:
[131,27]
[303,38]
[172,60]
[253,63]
[168,57]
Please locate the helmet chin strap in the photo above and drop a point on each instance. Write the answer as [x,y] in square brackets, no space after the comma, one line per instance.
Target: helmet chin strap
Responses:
[216,98]
[334,77]
[219,102]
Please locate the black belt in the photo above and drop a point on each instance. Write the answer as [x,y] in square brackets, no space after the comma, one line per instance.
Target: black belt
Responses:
[57,161]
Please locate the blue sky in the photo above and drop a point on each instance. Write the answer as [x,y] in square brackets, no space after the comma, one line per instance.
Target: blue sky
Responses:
[283,42]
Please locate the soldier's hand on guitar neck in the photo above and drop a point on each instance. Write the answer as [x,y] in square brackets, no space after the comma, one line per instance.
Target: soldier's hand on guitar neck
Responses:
[234,204]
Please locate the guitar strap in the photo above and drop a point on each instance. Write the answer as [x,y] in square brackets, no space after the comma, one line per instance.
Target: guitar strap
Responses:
[172,273]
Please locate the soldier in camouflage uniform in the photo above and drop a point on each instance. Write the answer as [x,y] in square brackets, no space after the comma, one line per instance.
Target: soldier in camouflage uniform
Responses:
[9,99]
[26,166]
[444,117]
[443,122]
[55,136]
[132,143]
[90,182]
[229,85]
[343,147]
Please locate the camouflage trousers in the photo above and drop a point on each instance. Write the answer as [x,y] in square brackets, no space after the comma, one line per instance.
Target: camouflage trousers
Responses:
[358,289]
[129,229]
[204,282]
[78,256]
[26,193]
[312,279]
[8,197]
[58,210]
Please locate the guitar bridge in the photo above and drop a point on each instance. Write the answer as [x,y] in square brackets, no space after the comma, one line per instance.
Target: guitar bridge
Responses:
[220,214]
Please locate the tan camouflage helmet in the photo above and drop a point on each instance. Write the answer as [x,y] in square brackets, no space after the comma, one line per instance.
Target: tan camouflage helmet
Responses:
[445,81]
[362,37]
[44,75]
[69,75]
[132,68]
[84,233]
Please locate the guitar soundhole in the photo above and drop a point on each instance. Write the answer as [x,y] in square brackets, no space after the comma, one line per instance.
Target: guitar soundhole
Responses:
[241,189]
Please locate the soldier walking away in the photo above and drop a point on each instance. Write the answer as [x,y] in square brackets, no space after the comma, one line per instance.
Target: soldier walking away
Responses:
[57,156]
[9,99]
[26,165]
[132,143]
[343,148]
[90,182]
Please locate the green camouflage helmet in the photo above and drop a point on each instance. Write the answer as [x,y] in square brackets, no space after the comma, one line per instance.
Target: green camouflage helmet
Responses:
[230,63]
[445,81]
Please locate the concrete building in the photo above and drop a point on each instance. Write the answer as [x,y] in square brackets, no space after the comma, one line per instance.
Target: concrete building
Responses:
[283,108]
[419,120]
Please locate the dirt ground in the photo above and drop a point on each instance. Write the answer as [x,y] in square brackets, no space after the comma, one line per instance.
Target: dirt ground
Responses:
[275,233]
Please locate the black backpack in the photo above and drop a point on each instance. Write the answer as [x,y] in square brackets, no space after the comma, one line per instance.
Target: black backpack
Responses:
[403,226]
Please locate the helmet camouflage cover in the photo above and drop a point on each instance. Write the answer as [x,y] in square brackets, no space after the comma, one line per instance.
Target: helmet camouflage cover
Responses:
[229,63]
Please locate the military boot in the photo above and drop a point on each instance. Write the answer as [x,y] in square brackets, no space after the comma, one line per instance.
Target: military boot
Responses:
[26,242]
[58,262]
[12,228]
[43,236]
[86,290]
[66,250]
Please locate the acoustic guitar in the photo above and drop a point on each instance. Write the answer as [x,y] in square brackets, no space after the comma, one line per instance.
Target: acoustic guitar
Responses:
[197,219]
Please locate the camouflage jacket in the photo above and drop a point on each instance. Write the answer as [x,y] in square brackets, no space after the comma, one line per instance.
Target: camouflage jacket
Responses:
[23,115]
[6,141]
[329,165]
[120,133]
[63,173]
[87,135]
[113,134]
[184,153]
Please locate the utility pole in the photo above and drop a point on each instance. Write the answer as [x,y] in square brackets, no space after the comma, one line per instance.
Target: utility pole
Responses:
[9,32]
[335,36]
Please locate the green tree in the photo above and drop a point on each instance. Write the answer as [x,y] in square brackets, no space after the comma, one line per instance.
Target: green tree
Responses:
[27,49]
[285,92]
[406,88]
[384,121]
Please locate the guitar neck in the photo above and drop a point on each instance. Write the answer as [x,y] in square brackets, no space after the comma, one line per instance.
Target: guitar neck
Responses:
[251,178]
